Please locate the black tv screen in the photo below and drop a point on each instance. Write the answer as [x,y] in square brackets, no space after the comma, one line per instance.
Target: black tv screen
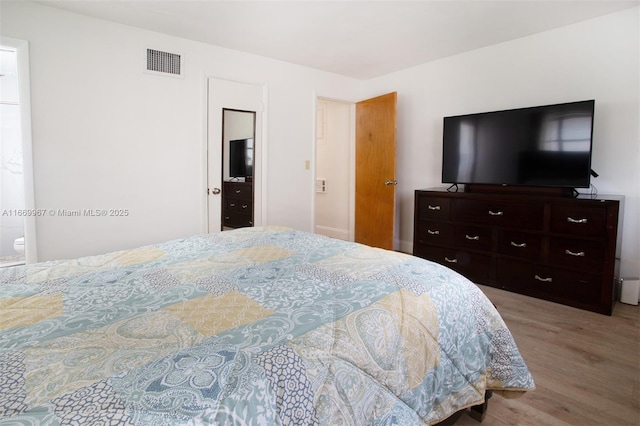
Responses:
[539,146]
[241,158]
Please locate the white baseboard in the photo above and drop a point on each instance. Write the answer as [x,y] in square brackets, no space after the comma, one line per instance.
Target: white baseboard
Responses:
[405,246]
[342,234]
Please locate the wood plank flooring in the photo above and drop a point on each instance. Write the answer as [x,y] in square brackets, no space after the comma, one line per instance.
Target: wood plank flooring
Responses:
[586,366]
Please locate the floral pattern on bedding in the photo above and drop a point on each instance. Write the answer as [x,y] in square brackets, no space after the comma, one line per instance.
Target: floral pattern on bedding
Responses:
[257,326]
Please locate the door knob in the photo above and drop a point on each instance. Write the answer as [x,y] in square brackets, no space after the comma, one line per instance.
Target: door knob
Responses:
[391,182]
[216,191]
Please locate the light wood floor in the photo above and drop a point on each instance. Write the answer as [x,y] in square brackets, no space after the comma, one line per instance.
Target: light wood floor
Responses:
[586,366]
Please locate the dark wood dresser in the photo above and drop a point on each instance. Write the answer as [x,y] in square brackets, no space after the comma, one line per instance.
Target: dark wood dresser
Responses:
[555,248]
[237,204]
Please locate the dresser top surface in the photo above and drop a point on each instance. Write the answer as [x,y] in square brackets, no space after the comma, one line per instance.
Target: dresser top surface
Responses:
[521,197]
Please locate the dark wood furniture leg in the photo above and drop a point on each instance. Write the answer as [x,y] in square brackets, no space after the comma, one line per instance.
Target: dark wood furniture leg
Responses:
[478,412]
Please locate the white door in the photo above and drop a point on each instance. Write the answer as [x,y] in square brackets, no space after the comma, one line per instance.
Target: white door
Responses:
[226,94]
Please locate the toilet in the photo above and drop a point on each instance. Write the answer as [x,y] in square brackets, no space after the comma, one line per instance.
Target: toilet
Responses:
[18,245]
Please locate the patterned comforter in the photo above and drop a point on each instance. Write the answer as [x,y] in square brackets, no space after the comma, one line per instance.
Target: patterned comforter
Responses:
[257,326]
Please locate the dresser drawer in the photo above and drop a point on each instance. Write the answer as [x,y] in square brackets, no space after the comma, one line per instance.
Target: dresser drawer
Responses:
[558,285]
[435,233]
[433,208]
[500,213]
[237,220]
[582,255]
[239,190]
[579,220]
[476,267]
[473,237]
[233,206]
[520,244]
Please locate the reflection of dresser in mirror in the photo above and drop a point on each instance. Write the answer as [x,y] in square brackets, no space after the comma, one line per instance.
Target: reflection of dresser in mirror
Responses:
[237,204]
[238,154]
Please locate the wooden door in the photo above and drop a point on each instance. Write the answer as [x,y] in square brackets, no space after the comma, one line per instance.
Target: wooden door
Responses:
[375,171]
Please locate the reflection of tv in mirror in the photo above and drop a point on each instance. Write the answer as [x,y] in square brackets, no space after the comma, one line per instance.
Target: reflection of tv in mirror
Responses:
[241,158]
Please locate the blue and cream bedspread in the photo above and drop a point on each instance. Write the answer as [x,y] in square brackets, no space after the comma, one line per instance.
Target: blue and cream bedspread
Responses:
[257,326]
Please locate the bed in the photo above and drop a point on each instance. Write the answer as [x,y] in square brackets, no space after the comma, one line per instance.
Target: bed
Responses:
[255,326]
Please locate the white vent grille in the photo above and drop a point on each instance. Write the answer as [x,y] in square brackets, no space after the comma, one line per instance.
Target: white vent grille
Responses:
[164,62]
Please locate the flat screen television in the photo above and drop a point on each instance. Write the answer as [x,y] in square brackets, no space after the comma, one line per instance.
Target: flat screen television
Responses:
[241,158]
[543,146]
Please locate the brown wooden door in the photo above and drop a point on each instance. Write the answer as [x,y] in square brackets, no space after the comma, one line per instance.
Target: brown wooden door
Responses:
[375,171]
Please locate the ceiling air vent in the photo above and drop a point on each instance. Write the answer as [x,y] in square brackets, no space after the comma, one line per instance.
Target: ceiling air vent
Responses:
[164,63]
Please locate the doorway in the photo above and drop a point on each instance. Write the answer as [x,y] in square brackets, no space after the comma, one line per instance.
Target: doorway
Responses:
[370,160]
[17,213]
[334,169]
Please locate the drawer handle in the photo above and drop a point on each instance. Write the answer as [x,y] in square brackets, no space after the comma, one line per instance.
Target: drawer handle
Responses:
[572,220]
[238,191]
[450,260]
[232,204]
[498,213]
[518,245]
[244,206]
[544,280]
[474,238]
[573,253]
[430,232]
[433,207]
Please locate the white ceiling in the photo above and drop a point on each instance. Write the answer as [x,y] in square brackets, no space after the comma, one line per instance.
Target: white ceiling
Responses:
[360,39]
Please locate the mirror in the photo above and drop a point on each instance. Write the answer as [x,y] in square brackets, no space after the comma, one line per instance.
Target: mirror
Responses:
[238,135]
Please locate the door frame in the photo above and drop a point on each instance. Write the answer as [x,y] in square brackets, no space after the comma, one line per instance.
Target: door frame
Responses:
[352,162]
[24,90]
[231,97]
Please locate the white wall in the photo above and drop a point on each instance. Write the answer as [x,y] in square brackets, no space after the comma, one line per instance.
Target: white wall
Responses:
[106,135]
[596,59]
